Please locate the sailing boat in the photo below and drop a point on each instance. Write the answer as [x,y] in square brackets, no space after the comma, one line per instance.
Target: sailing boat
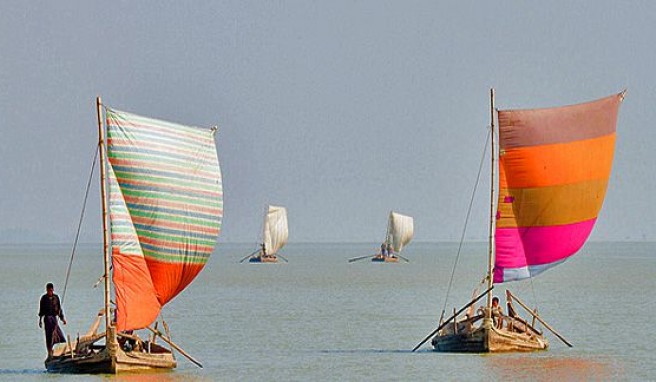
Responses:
[164,211]
[400,230]
[554,165]
[275,232]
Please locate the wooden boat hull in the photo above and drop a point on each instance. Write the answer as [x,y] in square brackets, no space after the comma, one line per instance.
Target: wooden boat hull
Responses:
[102,362]
[263,259]
[487,340]
[385,259]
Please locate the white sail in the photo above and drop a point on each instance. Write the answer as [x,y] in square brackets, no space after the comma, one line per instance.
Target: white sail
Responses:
[276,231]
[400,230]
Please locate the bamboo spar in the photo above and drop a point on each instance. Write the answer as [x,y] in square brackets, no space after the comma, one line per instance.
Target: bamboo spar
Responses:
[103,195]
[540,319]
[490,260]
[174,346]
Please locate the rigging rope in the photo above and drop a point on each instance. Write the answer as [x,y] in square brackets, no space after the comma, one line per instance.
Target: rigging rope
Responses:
[79,224]
[464,229]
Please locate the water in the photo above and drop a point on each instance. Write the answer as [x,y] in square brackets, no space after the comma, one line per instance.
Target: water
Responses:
[321,318]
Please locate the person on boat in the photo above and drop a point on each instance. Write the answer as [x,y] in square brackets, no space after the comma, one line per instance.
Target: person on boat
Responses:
[390,250]
[49,310]
[383,250]
[497,312]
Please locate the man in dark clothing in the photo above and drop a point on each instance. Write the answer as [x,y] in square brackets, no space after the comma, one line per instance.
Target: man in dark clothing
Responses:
[49,310]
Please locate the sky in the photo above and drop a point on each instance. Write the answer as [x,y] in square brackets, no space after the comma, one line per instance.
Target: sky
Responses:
[339,110]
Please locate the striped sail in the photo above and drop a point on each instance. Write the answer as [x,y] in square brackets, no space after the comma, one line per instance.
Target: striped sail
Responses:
[276,231]
[165,205]
[400,231]
[554,166]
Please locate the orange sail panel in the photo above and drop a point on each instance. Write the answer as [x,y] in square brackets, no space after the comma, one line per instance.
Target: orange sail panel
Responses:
[166,205]
[135,293]
[554,166]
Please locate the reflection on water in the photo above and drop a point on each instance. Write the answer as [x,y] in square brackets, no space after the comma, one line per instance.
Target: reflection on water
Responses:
[551,368]
[167,376]
[21,371]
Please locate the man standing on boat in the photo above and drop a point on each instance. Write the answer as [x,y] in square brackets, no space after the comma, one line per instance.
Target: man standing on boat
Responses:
[49,310]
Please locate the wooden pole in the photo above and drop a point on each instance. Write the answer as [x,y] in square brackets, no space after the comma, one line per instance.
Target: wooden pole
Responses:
[154,337]
[360,258]
[247,256]
[541,320]
[103,196]
[403,258]
[264,227]
[389,218]
[176,347]
[536,313]
[490,257]
[70,346]
[472,302]
[168,333]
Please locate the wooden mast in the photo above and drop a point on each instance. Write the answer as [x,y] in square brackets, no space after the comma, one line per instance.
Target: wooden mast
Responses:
[264,227]
[103,194]
[387,232]
[490,259]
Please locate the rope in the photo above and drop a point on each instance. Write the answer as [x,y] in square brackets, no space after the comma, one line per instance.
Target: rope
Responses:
[535,296]
[79,224]
[464,229]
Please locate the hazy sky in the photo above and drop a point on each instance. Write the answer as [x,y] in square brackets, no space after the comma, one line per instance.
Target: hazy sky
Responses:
[339,110]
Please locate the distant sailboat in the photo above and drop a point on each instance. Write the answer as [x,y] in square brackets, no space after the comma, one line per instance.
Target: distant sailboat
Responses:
[164,212]
[554,165]
[400,230]
[275,232]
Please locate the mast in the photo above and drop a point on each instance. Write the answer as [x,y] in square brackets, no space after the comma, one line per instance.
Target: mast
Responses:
[264,229]
[490,258]
[103,194]
[387,231]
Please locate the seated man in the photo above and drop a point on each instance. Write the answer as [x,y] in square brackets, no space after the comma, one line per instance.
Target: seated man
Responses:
[497,313]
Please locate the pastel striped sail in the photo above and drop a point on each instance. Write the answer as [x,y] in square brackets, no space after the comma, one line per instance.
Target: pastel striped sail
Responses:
[554,166]
[165,207]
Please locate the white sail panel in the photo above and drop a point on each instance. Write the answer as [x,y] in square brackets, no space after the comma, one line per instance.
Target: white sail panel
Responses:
[400,231]
[276,230]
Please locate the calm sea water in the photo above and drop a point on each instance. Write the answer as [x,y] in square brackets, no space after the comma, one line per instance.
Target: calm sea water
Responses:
[321,318]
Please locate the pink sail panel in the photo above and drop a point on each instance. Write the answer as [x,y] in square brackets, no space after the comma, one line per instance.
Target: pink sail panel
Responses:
[554,166]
